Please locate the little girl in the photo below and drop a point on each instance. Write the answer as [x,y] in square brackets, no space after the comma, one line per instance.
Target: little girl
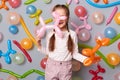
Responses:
[60,51]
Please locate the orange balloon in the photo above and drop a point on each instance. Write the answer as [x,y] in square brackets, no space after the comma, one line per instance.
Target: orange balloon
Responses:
[113,58]
[75,65]
[117,18]
[26,43]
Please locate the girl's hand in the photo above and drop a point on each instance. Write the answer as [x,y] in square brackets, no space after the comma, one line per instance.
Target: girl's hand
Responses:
[38,40]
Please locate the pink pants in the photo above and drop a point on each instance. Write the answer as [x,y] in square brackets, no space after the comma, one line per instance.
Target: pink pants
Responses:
[58,70]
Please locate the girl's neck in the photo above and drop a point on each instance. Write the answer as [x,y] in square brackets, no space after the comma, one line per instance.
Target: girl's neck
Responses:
[63,29]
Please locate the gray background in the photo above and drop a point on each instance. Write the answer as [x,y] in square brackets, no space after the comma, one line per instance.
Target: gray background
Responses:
[36,56]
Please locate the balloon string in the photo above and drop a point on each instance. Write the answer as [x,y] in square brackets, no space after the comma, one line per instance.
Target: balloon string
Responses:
[24,75]
[98,53]
[103,5]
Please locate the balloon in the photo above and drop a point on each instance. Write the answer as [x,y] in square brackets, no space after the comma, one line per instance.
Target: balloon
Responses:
[27,31]
[18,58]
[99,36]
[117,18]
[108,21]
[119,45]
[13,18]
[47,1]
[0,17]
[91,52]
[23,50]
[75,65]
[80,11]
[13,29]
[84,35]
[11,77]
[26,43]
[113,58]
[30,9]
[6,55]
[117,76]
[14,3]
[110,32]
[76,78]
[1,36]
[43,63]
[40,78]
[29,2]
[97,17]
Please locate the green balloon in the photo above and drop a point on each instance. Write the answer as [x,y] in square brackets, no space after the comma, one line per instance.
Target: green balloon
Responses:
[76,78]
[47,1]
[18,58]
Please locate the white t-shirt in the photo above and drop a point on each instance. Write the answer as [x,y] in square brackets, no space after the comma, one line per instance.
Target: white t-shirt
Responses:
[61,52]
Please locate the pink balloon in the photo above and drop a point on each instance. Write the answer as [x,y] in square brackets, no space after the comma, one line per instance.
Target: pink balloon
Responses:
[80,11]
[99,36]
[14,3]
[117,76]
[11,77]
[13,18]
[97,17]
[84,35]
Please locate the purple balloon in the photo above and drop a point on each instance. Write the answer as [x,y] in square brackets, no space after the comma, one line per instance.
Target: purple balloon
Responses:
[84,35]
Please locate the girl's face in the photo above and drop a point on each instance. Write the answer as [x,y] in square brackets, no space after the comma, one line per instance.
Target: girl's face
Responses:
[62,23]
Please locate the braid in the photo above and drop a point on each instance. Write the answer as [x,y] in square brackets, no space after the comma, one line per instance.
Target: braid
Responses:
[52,43]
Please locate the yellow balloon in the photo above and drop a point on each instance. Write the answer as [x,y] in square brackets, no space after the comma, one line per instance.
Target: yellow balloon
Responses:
[113,59]
[117,18]
[26,43]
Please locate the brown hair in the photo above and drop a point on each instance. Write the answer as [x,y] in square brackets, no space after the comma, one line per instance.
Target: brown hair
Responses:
[52,39]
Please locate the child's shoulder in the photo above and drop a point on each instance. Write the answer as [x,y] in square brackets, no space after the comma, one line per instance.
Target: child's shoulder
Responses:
[72,32]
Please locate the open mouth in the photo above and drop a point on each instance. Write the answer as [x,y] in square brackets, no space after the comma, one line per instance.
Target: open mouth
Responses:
[61,22]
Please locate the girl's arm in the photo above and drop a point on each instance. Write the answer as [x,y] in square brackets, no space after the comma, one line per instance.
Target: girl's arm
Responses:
[76,55]
[40,47]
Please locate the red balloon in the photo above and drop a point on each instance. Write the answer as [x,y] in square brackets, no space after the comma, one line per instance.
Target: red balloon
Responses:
[43,63]
[14,3]
[80,11]
[119,45]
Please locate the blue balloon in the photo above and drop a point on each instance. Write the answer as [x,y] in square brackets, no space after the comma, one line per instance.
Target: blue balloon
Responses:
[40,78]
[110,32]
[30,9]
[13,29]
